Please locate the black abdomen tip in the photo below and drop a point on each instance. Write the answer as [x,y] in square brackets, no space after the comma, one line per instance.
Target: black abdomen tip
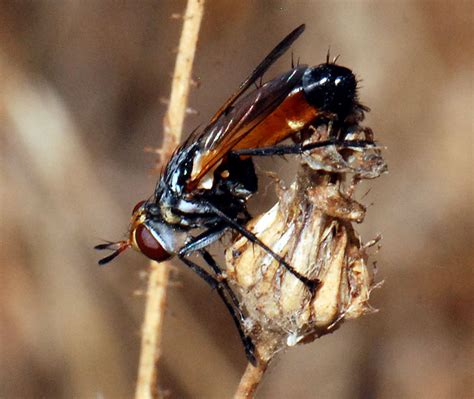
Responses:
[330,88]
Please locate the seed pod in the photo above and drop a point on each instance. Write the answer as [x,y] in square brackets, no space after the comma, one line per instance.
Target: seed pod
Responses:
[311,228]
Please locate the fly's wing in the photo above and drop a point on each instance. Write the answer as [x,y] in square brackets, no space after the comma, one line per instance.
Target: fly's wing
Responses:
[218,140]
[238,116]
[267,62]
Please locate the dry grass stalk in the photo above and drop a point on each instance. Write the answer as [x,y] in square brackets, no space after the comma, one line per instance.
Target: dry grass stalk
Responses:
[250,380]
[311,227]
[159,273]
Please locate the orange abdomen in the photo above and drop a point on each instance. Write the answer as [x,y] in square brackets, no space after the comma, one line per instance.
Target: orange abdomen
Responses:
[292,115]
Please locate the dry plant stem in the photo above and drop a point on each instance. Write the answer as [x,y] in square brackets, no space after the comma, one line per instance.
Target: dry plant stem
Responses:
[158,278]
[250,380]
[173,123]
[151,331]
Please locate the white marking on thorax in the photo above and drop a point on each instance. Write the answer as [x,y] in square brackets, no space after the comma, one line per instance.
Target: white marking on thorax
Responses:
[295,124]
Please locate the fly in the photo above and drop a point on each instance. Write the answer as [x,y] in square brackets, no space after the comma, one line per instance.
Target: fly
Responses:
[204,188]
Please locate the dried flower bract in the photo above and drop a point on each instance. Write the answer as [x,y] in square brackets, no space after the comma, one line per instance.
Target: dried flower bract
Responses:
[311,227]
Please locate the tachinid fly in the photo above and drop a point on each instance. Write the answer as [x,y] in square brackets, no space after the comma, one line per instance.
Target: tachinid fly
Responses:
[204,188]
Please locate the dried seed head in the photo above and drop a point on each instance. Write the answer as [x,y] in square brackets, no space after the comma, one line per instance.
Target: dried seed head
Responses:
[311,228]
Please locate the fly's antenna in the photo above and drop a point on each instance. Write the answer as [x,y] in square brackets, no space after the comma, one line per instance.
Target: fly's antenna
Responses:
[118,247]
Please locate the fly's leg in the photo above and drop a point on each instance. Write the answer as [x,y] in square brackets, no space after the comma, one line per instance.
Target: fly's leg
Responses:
[223,290]
[310,284]
[300,148]
[203,240]
[219,282]
[204,274]
[237,316]
[198,244]
[215,267]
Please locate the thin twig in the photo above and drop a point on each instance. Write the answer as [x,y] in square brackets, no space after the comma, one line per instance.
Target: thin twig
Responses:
[158,280]
[250,380]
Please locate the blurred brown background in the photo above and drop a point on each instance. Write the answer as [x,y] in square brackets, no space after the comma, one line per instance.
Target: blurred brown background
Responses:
[82,86]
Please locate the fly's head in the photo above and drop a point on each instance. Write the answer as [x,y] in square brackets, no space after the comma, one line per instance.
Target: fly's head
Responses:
[141,237]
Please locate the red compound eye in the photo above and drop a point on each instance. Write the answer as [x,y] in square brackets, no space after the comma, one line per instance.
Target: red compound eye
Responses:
[148,244]
[137,206]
